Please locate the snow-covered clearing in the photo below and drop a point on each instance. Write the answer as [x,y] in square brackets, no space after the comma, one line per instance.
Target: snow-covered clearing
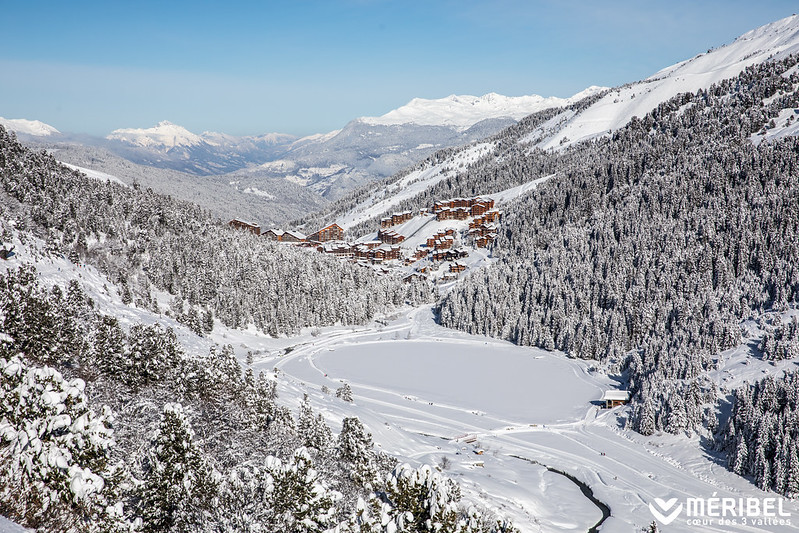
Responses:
[258,192]
[428,393]
[96,174]
[785,125]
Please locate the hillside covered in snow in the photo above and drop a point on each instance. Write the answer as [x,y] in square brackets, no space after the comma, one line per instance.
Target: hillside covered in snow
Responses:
[161,371]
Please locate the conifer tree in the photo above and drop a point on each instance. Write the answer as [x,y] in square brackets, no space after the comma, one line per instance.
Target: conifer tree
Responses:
[180,485]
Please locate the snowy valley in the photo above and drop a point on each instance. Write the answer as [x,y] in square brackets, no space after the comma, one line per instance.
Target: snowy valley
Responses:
[163,371]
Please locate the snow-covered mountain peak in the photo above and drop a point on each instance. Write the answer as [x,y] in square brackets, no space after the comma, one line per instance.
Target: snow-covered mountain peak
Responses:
[614,110]
[789,26]
[463,111]
[165,134]
[28,127]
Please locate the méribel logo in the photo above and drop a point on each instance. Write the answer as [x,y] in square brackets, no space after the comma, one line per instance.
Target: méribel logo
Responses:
[661,511]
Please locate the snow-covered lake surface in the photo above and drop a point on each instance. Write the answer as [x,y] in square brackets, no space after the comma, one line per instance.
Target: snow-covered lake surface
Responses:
[507,381]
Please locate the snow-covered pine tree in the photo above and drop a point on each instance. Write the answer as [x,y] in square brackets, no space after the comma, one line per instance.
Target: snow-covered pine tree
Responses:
[344,392]
[355,447]
[312,428]
[55,470]
[296,499]
[180,486]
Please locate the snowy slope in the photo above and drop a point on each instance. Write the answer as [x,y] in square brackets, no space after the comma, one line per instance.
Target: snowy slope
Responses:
[465,110]
[96,174]
[615,109]
[7,526]
[426,393]
[410,185]
[28,127]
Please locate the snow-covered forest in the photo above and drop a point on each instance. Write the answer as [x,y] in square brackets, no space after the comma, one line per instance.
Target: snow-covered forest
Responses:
[114,428]
[144,242]
[653,246]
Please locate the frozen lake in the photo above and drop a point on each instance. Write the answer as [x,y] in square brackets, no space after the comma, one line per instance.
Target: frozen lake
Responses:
[509,382]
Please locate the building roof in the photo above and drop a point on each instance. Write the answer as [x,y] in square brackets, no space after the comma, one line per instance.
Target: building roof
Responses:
[615,394]
[295,234]
[240,221]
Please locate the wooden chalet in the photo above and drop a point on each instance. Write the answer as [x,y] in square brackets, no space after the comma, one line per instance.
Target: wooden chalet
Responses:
[385,253]
[443,243]
[457,267]
[332,232]
[483,241]
[401,218]
[460,213]
[293,236]
[445,213]
[361,251]
[395,219]
[247,226]
[339,249]
[273,234]
[413,276]
[389,236]
[614,398]
[462,208]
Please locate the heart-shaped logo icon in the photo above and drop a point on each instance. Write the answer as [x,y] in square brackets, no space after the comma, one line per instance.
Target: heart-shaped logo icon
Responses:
[662,517]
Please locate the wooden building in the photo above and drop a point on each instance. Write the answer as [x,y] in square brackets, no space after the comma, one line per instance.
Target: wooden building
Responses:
[389,236]
[339,249]
[614,398]
[332,232]
[273,234]
[457,267]
[293,236]
[240,224]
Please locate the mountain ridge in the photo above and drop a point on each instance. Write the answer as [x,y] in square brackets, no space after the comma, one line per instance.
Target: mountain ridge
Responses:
[464,111]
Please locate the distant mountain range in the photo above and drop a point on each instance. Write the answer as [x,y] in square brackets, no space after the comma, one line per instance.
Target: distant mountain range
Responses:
[329,164]
[465,111]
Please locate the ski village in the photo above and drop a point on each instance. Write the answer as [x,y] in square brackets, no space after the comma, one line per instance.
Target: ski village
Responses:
[435,243]
[469,314]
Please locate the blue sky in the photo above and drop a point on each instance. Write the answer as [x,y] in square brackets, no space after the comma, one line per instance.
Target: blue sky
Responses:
[301,67]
